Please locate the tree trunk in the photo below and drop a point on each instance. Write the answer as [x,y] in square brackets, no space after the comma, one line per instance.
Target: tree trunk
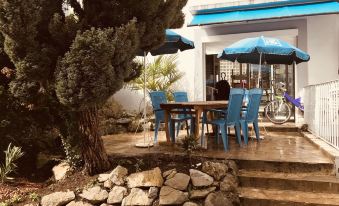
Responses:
[92,148]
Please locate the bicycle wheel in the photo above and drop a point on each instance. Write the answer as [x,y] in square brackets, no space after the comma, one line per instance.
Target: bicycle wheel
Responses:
[278,112]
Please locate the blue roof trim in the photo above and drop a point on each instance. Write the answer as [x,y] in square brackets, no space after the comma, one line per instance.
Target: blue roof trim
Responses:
[286,11]
[259,6]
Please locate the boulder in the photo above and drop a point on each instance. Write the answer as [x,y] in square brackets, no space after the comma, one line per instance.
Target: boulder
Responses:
[137,197]
[79,203]
[217,199]
[103,177]
[116,195]
[169,173]
[199,194]
[61,170]
[150,178]
[200,179]
[179,181]
[233,167]
[118,175]
[229,184]
[153,192]
[190,204]
[57,198]
[215,169]
[94,195]
[104,204]
[171,196]
[108,184]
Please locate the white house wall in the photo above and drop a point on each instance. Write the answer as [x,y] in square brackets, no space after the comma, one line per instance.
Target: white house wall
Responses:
[323,47]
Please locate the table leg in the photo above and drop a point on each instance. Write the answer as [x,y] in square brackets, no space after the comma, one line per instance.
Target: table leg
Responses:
[168,138]
[198,112]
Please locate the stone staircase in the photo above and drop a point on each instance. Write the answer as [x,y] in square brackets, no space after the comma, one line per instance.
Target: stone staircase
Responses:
[272,183]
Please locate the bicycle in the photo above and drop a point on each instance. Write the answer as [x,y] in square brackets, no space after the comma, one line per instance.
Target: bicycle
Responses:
[279,110]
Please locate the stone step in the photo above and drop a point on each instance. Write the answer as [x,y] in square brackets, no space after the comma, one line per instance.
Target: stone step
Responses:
[323,168]
[306,182]
[265,197]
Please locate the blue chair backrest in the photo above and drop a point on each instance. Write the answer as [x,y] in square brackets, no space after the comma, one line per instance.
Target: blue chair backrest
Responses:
[180,96]
[253,104]
[234,105]
[157,98]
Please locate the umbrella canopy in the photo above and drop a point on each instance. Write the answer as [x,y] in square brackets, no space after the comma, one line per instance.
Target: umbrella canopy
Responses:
[173,43]
[261,50]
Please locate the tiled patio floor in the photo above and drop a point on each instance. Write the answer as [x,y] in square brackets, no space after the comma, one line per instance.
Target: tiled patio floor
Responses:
[276,146]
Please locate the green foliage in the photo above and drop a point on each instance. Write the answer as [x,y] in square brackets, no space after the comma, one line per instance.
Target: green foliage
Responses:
[12,155]
[161,75]
[34,197]
[12,201]
[65,64]
[189,144]
[93,69]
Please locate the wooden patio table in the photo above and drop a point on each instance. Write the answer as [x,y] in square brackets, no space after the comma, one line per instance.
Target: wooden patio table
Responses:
[196,108]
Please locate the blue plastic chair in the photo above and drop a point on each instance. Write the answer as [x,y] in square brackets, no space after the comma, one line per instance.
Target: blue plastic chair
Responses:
[250,115]
[182,97]
[231,117]
[157,98]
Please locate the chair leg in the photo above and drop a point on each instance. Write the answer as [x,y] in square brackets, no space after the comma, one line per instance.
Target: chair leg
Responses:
[238,133]
[244,128]
[256,130]
[178,128]
[224,137]
[156,129]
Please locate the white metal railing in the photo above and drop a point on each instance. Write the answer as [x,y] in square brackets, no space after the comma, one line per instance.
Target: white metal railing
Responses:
[322,111]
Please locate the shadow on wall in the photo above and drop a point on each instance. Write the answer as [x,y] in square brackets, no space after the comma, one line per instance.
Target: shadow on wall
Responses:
[132,101]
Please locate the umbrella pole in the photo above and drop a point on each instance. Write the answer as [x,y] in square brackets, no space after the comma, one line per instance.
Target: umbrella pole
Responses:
[145,144]
[259,72]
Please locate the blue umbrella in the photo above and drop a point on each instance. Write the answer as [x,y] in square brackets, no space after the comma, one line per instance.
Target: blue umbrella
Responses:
[261,50]
[173,43]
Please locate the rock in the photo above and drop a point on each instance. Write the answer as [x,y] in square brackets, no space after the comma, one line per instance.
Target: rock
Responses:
[190,204]
[103,177]
[170,196]
[179,181]
[153,192]
[233,167]
[124,121]
[94,195]
[199,194]
[217,199]
[79,203]
[200,179]
[137,197]
[150,178]
[32,204]
[169,172]
[156,203]
[104,204]
[108,184]
[118,175]
[116,195]
[61,170]
[57,199]
[215,169]
[216,184]
[229,183]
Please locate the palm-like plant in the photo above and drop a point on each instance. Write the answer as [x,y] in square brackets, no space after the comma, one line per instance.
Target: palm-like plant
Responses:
[161,75]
